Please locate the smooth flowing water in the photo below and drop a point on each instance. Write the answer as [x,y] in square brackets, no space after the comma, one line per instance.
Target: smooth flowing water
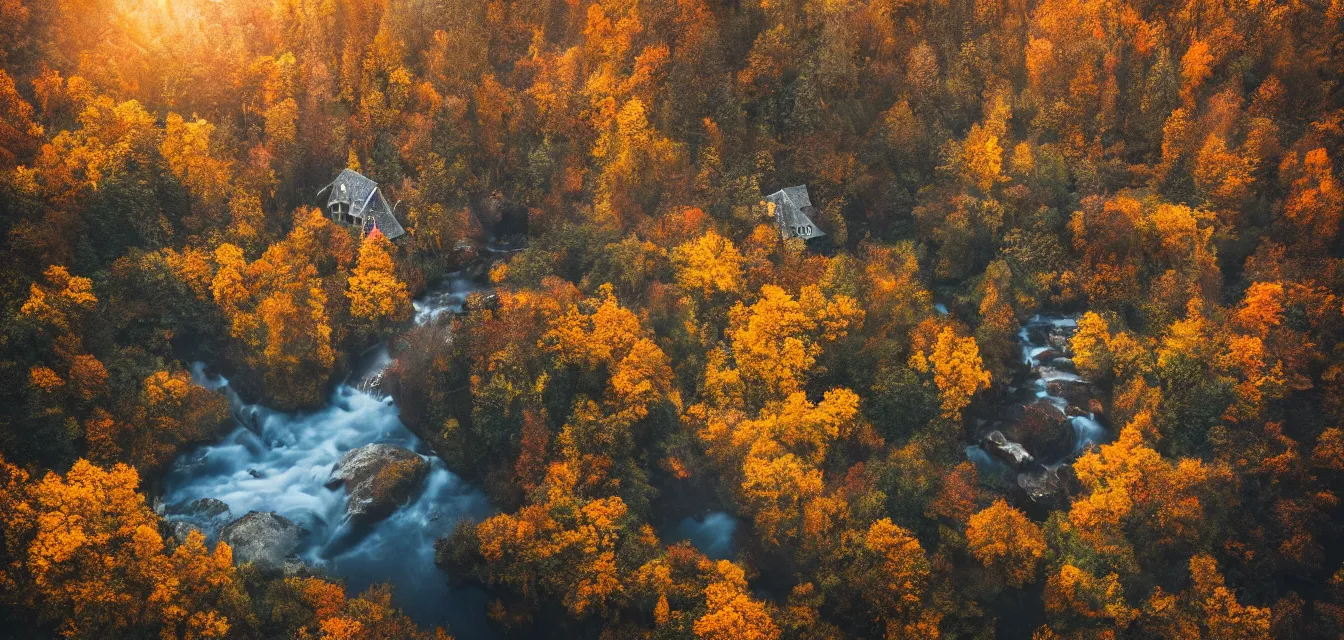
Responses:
[276,461]
[712,535]
[1047,363]
[1087,430]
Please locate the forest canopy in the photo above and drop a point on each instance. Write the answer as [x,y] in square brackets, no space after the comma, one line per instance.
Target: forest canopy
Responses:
[1063,360]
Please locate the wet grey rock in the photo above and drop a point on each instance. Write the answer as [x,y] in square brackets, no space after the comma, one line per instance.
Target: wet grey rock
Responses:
[1059,342]
[1064,364]
[1045,357]
[380,478]
[476,270]
[206,515]
[203,508]
[263,538]
[1011,453]
[296,568]
[180,529]
[1076,392]
[1043,430]
[1041,484]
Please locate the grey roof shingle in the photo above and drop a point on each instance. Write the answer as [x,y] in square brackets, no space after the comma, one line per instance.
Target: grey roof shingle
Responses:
[790,217]
[365,201]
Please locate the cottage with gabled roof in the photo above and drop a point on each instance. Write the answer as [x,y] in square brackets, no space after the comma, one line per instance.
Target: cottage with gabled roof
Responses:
[793,211]
[357,201]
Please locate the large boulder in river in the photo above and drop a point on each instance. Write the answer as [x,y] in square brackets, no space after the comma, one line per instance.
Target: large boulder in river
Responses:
[1044,431]
[264,538]
[1039,334]
[203,508]
[1011,453]
[379,478]
[1076,392]
[206,515]
[1042,484]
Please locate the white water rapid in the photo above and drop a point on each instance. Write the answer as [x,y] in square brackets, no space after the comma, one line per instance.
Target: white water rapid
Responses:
[1044,351]
[275,461]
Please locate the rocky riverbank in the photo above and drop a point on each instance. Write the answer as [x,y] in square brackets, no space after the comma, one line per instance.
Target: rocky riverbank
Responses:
[1053,415]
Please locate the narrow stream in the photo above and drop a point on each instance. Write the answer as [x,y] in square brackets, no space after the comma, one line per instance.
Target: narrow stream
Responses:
[1051,394]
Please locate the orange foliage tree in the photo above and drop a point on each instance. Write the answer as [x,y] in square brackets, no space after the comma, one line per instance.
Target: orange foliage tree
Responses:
[1004,540]
[376,296]
[87,555]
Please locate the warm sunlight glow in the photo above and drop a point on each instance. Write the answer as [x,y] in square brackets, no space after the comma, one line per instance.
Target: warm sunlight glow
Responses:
[665,319]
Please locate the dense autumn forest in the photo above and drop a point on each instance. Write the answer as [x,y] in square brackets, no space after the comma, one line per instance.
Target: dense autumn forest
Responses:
[1066,361]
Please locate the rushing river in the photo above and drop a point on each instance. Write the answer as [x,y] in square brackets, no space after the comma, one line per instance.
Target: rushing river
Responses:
[1046,355]
[1087,431]
[275,461]
[281,462]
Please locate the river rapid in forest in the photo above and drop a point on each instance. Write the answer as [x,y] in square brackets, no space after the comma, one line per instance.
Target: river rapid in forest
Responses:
[1046,400]
[281,462]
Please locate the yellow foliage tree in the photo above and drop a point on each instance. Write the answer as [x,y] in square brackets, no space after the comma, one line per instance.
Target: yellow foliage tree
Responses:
[602,333]
[982,155]
[1224,617]
[1075,593]
[1004,540]
[732,613]
[376,295]
[90,557]
[61,301]
[563,544]
[1089,343]
[278,306]
[778,338]
[957,370]
[895,578]
[186,148]
[709,264]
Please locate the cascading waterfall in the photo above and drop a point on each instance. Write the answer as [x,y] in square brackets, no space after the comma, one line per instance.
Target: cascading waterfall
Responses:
[276,461]
[1089,432]
[1035,338]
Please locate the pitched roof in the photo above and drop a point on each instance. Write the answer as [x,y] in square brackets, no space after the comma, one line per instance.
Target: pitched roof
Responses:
[365,201]
[791,207]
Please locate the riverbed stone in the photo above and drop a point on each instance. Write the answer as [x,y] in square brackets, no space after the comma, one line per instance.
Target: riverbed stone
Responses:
[1045,357]
[1011,453]
[379,478]
[1076,392]
[1064,364]
[1044,431]
[1060,344]
[203,508]
[263,538]
[1038,334]
[179,530]
[206,515]
[1041,484]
